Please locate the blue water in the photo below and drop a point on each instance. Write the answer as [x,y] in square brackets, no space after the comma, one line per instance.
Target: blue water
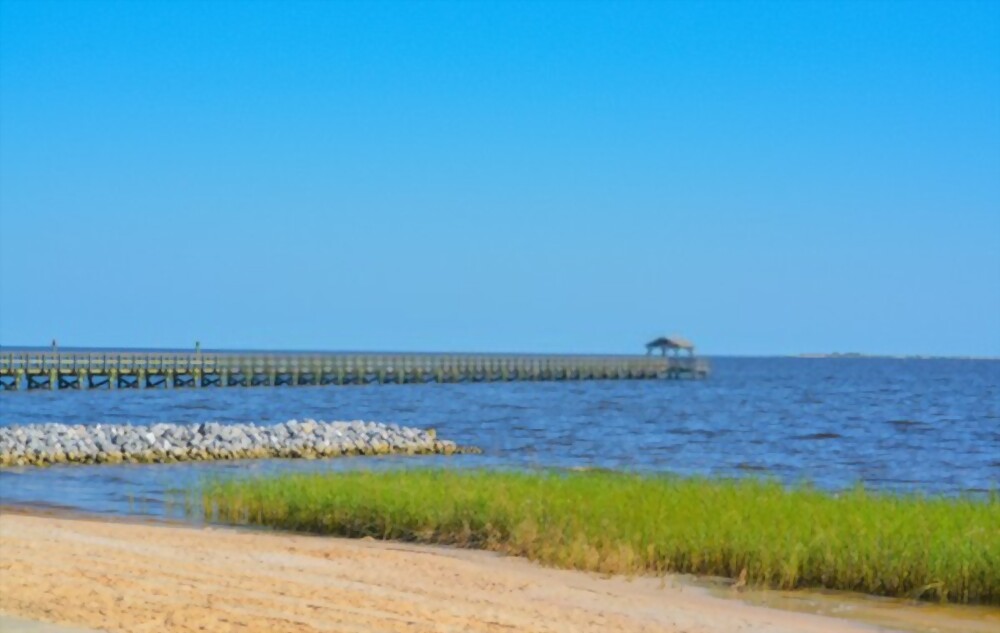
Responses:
[930,426]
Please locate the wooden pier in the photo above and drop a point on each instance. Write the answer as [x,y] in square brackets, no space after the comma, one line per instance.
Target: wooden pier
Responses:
[32,370]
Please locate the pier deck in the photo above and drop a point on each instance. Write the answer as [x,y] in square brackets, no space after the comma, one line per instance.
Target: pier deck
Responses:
[25,369]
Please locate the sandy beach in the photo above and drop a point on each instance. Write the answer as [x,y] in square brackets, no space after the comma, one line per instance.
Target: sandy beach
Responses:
[134,577]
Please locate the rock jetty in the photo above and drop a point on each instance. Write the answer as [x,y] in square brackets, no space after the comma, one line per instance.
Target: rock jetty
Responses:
[44,444]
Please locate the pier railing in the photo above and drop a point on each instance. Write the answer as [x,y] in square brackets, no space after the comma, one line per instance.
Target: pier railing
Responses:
[131,369]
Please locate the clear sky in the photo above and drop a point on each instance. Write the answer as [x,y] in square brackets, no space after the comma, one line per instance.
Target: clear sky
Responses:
[764,178]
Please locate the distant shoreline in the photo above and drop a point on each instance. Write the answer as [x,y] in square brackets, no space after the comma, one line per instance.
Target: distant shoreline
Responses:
[889,356]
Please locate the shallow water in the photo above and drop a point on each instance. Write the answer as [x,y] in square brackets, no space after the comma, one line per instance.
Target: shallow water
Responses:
[896,614]
[930,426]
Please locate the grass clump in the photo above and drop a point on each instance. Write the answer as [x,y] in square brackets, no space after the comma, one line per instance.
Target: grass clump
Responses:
[930,548]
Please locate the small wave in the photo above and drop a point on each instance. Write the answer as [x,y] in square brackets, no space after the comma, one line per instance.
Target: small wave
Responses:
[751,467]
[904,424]
[704,432]
[818,436]
[977,491]
[506,405]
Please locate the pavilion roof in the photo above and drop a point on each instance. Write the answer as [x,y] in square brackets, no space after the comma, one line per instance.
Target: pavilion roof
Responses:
[671,342]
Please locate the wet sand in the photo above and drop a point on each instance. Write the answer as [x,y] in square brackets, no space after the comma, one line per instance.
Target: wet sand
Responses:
[135,577]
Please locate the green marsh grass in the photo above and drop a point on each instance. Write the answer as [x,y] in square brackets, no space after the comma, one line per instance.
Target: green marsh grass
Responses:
[908,546]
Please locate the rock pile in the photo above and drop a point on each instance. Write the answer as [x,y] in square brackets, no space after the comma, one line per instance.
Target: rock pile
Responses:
[42,444]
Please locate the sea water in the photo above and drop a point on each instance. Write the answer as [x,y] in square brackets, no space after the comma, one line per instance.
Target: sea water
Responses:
[902,425]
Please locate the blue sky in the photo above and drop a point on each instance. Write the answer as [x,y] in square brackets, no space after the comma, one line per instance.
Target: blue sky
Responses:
[765,178]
